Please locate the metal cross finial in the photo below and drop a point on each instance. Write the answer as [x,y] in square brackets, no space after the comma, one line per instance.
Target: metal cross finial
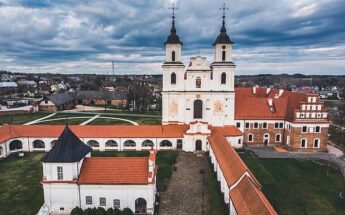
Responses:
[224,8]
[173,8]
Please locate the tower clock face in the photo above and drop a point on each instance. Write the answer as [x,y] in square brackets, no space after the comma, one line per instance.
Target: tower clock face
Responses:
[223,47]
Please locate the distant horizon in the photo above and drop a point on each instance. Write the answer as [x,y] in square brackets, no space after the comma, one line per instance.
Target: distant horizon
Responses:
[86,36]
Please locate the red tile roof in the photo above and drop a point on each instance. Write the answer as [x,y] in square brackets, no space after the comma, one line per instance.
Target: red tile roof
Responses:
[114,170]
[93,131]
[255,106]
[229,161]
[248,199]
[229,131]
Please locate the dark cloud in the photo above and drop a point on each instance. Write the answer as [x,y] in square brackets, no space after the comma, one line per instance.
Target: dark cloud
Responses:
[77,34]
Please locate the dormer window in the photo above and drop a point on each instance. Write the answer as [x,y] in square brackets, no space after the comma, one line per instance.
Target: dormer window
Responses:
[198,82]
[59,173]
[223,55]
[223,78]
[173,56]
[173,78]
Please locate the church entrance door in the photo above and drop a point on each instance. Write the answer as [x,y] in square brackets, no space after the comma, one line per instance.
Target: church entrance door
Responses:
[198,145]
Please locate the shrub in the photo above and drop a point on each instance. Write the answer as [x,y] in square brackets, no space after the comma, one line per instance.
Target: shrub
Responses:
[117,211]
[77,211]
[127,211]
[101,211]
[110,211]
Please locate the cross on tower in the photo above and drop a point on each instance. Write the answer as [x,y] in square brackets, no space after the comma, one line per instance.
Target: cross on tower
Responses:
[173,8]
[224,8]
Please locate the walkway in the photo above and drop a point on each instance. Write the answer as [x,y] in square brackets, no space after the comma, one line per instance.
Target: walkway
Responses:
[269,152]
[186,193]
[90,120]
[40,119]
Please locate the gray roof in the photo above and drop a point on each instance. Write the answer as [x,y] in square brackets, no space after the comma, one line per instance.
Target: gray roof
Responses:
[101,95]
[62,98]
[7,84]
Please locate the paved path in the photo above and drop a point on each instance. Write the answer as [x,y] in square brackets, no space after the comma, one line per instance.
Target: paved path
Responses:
[40,119]
[90,120]
[186,193]
[269,152]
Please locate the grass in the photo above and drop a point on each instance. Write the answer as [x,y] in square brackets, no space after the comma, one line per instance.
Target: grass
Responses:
[145,120]
[299,186]
[21,118]
[215,197]
[63,122]
[20,190]
[101,121]
[68,115]
[165,160]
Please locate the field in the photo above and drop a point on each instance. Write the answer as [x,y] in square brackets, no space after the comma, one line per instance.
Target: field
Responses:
[20,190]
[21,118]
[299,186]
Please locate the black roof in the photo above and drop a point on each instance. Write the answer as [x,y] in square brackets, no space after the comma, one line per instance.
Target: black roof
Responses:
[68,149]
[173,38]
[100,95]
[223,37]
[62,98]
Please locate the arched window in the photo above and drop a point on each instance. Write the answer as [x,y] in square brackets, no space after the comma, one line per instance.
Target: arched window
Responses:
[198,145]
[165,143]
[38,144]
[303,143]
[52,143]
[173,78]
[111,143]
[316,143]
[129,143]
[223,78]
[223,55]
[140,206]
[93,143]
[15,145]
[1,149]
[197,109]
[198,82]
[147,143]
[173,56]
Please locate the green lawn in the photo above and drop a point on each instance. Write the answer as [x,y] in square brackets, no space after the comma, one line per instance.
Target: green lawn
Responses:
[145,120]
[21,118]
[215,197]
[298,186]
[63,122]
[68,115]
[101,121]
[20,188]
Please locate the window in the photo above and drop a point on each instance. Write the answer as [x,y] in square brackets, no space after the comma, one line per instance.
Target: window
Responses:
[276,125]
[223,55]
[304,129]
[173,56]
[247,124]
[318,129]
[281,125]
[198,82]
[256,125]
[278,138]
[117,203]
[238,124]
[239,141]
[102,201]
[316,143]
[303,143]
[59,173]
[264,125]
[88,200]
[250,138]
[173,78]
[223,78]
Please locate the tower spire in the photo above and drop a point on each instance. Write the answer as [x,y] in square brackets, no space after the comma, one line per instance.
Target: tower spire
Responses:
[173,38]
[224,8]
[223,37]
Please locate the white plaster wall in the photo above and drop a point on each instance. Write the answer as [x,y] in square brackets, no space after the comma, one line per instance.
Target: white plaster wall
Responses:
[126,193]
[70,171]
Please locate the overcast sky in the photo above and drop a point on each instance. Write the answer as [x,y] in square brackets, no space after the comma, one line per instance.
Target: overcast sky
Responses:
[84,36]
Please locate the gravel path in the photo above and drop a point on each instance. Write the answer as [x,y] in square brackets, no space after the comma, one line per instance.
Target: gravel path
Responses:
[186,193]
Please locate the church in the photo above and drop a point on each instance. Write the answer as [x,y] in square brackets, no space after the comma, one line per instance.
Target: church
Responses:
[202,111]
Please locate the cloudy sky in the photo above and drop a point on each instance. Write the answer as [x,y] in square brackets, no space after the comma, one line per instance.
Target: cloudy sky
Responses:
[84,36]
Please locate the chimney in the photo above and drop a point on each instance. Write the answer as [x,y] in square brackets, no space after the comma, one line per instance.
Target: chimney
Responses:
[268,90]
[270,104]
[254,90]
